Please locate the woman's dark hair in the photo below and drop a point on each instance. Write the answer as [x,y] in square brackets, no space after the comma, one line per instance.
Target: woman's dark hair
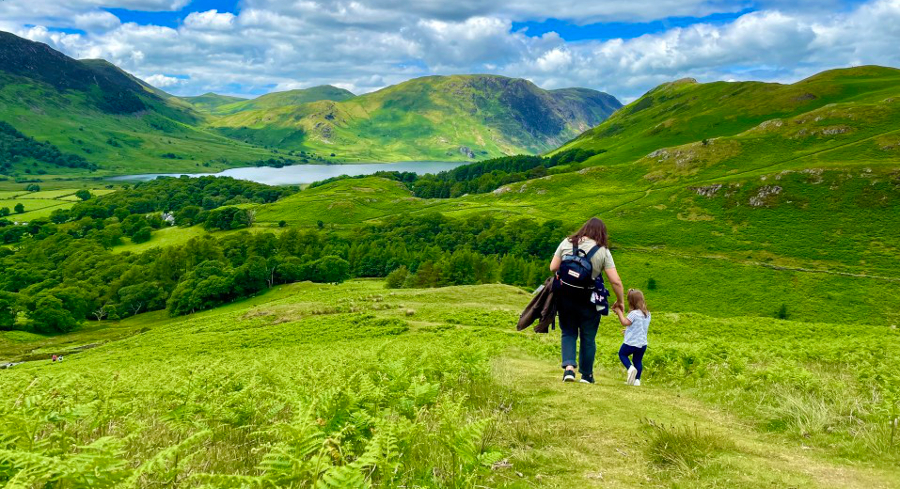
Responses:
[595,229]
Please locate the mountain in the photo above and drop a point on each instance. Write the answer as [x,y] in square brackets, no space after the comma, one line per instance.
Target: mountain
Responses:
[276,100]
[92,110]
[686,111]
[437,117]
[209,102]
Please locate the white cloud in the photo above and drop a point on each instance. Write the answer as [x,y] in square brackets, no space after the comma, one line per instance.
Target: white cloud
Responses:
[363,45]
[163,81]
[209,20]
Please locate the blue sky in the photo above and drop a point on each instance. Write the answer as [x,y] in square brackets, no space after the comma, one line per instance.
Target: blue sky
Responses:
[249,47]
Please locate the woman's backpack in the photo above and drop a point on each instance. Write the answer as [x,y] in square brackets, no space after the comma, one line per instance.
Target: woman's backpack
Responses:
[576,269]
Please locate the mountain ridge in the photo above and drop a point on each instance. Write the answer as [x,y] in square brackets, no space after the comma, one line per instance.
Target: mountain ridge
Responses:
[430,117]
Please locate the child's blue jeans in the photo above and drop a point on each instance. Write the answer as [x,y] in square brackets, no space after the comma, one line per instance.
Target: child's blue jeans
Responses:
[637,353]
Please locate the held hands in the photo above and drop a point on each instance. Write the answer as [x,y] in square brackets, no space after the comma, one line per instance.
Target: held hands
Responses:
[618,307]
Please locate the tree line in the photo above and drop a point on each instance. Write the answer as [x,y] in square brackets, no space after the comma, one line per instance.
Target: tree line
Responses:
[480,177]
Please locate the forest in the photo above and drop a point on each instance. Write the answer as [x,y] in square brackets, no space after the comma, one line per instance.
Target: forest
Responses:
[64,270]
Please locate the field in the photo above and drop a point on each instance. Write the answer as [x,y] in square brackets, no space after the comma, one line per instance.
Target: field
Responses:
[41,204]
[355,385]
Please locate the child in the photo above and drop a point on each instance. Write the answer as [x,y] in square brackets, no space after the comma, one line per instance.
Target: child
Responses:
[635,342]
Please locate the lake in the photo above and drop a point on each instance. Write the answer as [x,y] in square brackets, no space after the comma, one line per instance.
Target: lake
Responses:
[297,174]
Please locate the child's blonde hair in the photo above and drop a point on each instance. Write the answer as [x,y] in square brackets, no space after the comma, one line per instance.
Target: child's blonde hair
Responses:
[636,301]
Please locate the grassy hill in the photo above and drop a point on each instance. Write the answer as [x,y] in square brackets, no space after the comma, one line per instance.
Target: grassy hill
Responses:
[433,388]
[286,98]
[97,112]
[432,118]
[209,102]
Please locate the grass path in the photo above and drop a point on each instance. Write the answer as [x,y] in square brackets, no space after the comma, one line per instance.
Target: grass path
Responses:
[608,425]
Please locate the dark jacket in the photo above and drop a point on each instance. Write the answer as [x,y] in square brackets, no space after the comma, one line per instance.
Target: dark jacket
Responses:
[542,309]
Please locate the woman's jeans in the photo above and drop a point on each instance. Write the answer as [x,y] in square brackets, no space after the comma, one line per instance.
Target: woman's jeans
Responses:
[578,319]
[636,353]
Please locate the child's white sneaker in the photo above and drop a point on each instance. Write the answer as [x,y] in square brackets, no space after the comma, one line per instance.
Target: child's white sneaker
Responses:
[632,375]
[637,382]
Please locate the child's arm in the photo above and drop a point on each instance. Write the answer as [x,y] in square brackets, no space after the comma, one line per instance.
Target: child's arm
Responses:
[622,319]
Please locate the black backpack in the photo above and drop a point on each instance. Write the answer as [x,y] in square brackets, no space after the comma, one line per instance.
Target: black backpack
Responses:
[576,269]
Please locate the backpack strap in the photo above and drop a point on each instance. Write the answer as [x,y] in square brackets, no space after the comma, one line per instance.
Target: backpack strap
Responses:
[592,252]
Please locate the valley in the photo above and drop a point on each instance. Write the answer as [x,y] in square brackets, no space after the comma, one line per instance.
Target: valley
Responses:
[358,331]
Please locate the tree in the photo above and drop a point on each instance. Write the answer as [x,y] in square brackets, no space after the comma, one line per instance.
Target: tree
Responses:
[4,211]
[83,194]
[48,315]
[282,224]
[396,278]
[142,296]
[328,269]
[142,235]
[9,309]
[19,208]
[33,187]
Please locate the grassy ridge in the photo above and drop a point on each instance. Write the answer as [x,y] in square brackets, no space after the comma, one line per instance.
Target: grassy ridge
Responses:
[230,105]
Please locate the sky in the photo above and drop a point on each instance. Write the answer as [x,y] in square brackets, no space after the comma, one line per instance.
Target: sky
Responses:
[251,47]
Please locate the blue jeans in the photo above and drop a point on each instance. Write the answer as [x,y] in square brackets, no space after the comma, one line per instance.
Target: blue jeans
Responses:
[634,352]
[578,319]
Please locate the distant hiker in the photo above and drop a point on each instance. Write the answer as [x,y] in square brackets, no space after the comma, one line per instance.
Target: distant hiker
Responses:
[578,263]
[634,343]
[53,358]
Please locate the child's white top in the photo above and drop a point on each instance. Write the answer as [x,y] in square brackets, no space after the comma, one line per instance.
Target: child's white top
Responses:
[636,334]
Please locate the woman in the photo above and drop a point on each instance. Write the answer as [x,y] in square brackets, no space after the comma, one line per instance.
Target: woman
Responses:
[578,316]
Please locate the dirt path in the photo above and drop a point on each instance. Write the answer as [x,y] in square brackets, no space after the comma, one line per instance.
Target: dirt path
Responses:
[608,432]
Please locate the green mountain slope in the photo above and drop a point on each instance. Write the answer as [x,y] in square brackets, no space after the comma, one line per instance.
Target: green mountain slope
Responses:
[283,99]
[96,111]
[686,111]
[439,117]
[209,102]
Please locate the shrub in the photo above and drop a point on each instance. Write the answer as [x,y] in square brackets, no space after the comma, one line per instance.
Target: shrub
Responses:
[782,312]
[396,279]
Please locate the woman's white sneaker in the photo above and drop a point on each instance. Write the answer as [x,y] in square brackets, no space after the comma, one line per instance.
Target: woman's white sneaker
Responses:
[637,382]
[632,375]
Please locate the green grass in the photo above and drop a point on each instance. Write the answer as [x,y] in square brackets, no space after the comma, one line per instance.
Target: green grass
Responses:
[41,204]
[433,388]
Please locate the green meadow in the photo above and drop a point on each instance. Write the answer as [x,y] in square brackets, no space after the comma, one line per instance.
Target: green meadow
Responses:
[355,385]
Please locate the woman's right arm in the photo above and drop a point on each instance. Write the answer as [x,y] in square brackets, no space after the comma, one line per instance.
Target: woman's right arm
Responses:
[616,283]
[554,263]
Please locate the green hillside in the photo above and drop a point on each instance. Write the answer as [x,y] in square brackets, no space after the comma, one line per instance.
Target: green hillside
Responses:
[95,111]
[336,384]
[432,118]
[286,98]
[685,111]
[209,102]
